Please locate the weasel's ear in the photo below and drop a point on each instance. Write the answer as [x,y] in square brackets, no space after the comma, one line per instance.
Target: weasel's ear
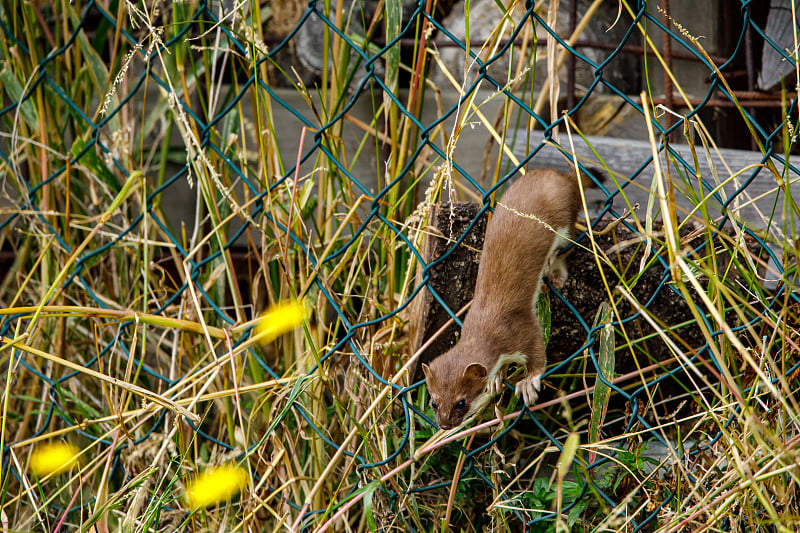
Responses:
[475,371]
[427,371]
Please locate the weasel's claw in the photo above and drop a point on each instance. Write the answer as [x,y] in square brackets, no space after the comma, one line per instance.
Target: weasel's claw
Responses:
[528,389]
[495,385]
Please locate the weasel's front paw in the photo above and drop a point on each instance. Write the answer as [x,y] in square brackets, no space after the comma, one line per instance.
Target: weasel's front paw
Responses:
[528,388]
[495,384]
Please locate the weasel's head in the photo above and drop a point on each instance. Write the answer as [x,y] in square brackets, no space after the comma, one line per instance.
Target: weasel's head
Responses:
[453,386]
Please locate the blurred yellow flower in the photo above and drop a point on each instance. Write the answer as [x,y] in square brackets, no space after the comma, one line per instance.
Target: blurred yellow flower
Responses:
[216,485]
[279,319]
[53,457]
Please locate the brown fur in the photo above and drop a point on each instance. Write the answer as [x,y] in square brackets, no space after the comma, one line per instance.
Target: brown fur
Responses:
[502,320]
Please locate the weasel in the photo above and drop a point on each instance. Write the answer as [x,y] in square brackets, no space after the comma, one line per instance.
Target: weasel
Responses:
[502,324]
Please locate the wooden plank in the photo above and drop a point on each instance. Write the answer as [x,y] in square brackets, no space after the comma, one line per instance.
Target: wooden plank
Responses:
[774,67]
[625,158]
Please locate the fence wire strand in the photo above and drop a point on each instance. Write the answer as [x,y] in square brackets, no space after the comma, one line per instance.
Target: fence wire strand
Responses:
[147,88]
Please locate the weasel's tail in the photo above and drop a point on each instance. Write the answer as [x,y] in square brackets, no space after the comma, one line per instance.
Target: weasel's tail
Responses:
[588,173]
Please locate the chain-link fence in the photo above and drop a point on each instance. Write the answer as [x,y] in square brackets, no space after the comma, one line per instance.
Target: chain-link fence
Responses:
[169,170]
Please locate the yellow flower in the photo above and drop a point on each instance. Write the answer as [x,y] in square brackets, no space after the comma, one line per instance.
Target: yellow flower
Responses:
[279,319]
[216,485]
[54,457]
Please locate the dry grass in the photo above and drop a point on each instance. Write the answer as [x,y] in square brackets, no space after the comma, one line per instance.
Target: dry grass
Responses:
[129,333]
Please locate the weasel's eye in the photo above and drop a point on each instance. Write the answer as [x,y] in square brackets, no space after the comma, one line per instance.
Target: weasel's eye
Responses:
[433,404]
[461,405]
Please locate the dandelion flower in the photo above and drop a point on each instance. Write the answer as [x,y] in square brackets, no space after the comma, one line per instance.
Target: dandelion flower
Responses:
[280,319]
[53,458]
[215,485]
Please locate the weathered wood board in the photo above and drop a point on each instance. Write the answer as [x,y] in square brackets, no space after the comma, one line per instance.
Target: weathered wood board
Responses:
[628,157]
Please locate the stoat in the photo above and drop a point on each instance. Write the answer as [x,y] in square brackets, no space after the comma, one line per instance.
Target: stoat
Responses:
[534,219]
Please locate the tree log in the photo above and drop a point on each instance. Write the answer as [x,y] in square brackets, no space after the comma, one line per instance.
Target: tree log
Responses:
[574,307]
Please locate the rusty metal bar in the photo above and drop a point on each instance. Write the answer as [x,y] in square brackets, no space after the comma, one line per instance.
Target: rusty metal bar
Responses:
[756,95]
[748,57]
[751,77]
[580,43]
[715,102]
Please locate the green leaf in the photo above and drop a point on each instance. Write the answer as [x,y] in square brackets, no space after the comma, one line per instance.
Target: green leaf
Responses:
[393,10]
[369,490]
[568,454]
[85,410]
[96,165]
[467,37]
[627,458]
[97,68]
[545,317]
[97,71]
[575,513]
[12,87]
[571,490]
[307,202]
[541,487]
[605,361]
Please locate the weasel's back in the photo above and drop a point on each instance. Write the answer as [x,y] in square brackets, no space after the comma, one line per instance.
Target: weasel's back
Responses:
[517,244]
[550,195]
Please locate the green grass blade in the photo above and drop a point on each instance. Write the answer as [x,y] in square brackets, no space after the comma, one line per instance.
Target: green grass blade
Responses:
[605,360]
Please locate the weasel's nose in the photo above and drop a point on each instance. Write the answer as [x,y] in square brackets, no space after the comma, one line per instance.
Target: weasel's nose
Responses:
[444,425]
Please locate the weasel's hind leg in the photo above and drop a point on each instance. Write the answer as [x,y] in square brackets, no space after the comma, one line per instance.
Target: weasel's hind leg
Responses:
[555,268]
